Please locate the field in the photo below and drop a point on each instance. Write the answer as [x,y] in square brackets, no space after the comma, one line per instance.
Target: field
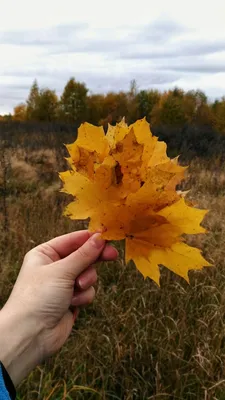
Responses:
[136,341]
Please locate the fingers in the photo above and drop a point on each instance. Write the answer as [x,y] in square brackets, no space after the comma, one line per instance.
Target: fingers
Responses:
[84,297]
[109,253]
[67,244]
[63,330]
[86,255]
[86,278]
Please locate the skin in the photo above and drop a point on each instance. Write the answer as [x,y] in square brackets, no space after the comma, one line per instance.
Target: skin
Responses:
[56,278]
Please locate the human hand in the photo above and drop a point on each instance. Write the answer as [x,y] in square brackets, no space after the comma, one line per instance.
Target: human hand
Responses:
[36,320]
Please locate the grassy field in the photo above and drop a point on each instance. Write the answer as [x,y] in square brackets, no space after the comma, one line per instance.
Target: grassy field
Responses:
[136,341]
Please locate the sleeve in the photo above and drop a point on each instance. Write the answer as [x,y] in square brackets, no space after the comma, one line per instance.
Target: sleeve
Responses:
[7,389]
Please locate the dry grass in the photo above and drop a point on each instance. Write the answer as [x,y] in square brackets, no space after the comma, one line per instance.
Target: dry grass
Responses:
[136,341]
[21,170]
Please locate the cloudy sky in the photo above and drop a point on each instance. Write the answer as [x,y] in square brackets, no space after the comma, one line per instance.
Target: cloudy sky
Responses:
[106,44]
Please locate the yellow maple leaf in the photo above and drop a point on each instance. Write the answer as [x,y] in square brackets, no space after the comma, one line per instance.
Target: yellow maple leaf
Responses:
[90,147]
[126,184]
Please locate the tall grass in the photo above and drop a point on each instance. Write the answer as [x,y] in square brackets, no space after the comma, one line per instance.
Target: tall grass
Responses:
[136,341]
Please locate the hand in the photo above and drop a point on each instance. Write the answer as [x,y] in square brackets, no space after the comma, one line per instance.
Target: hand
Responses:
[36,320]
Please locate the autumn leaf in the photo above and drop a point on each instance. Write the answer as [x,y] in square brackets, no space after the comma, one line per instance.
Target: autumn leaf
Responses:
[125,183]
[91,147]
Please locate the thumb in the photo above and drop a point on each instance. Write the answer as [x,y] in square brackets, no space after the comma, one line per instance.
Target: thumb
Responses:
[86,255]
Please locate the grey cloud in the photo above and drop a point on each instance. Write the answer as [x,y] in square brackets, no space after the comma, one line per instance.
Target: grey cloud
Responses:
[157,32]
[20,86]
[64,39]
[182,49]
[68,38]
[97,83]
[211,68]
[93,46]
[122,82]
[46,37]
[161,31]
[167,57]
[155,37]
[26,73]
[56,78]
[10,96]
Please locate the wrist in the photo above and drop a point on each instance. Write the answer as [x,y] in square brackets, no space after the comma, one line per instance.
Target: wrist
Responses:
[19,350]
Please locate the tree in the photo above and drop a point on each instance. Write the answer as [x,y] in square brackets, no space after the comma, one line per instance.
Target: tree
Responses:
[201,98]
[20,112]
[218,109]
[115,107]
[204,115]
[189,105]
[143,105]
[177,92]
[47,106]
[95,104]
[170,110]
[133,88]
[110,108]
[32,101]
[132,102]
[6,117]
[74,102]
[146,100]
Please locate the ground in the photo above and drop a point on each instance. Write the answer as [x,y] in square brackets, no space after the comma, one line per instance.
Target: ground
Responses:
[136,341]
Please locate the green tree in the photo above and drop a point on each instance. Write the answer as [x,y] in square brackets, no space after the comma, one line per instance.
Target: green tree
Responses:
[132,102]
[47,107]
[177,92]
[170,110]
[74,102]
[32,101]
[146,100]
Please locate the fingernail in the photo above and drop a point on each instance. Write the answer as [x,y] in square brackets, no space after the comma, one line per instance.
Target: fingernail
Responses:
[77,300]
[97,240]
[79,284]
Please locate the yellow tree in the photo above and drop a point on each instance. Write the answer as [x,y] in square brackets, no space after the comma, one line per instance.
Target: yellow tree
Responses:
[95,103]
[115,107]
[20,112]
[218,109]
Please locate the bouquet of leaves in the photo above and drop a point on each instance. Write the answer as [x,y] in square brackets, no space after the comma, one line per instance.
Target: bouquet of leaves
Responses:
[125,183]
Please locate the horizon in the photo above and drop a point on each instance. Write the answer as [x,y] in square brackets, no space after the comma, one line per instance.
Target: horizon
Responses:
[167,46]
[89,93]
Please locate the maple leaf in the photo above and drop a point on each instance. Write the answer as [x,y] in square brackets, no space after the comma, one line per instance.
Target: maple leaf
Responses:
[126,184]
[90,147]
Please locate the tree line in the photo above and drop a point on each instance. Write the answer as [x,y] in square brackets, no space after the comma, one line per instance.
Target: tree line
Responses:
[172,108]
[188,122]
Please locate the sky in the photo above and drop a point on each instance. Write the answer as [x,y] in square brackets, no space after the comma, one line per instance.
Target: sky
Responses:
[161,44]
